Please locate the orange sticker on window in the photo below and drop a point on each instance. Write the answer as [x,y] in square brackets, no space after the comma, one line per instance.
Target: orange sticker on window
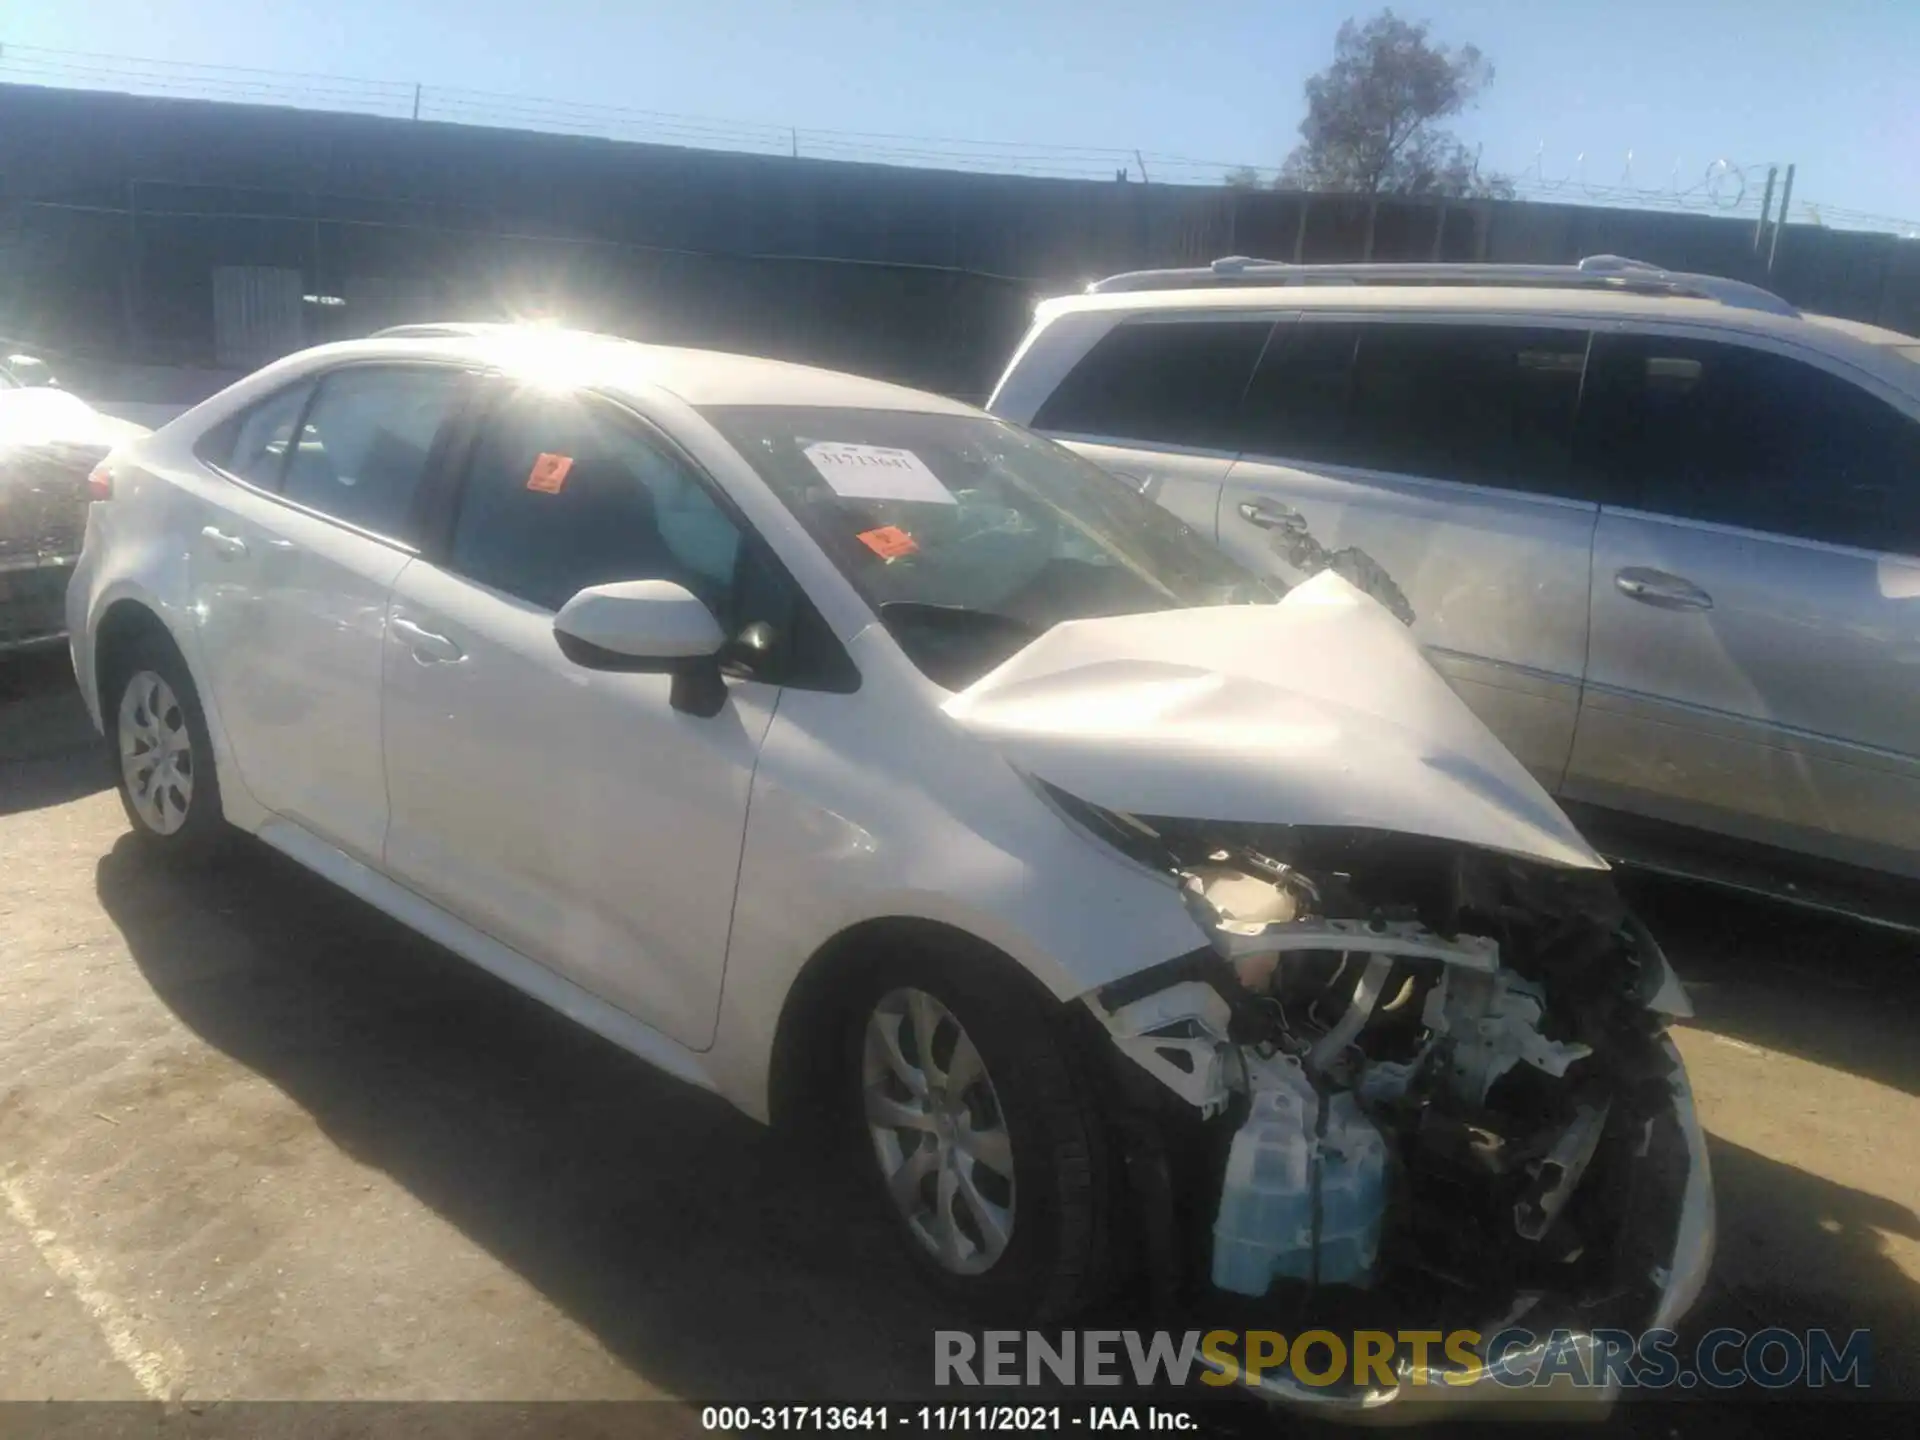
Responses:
[889,542]
[549,473]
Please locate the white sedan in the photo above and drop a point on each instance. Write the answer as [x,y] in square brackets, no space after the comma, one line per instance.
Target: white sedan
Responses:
[896,774]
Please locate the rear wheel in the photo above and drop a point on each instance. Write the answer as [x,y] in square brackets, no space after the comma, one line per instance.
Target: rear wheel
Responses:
[163,754]
[981,1136]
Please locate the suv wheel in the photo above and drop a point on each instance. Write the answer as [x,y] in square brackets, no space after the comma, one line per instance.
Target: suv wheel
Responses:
[163,754]
[981,1138]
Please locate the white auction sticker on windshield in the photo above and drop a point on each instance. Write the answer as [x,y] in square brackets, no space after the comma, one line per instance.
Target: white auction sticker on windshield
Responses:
[876,472]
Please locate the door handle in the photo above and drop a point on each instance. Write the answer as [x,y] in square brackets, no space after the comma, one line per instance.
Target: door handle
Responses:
[227,547]
[1272,515]
[428,648]
[1661,590]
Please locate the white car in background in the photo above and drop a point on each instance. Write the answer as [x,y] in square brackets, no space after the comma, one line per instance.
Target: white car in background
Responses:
[50,440]
[889,771]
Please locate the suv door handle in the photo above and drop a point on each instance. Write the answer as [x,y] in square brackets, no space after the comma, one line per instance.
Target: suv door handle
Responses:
[1661,590]
[1272,515]
[227,547]
[428,648]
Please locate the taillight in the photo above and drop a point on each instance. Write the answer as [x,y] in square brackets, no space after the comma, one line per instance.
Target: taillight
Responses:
[100,483]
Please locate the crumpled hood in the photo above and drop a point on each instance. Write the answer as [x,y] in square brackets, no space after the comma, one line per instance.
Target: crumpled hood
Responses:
[1319,710]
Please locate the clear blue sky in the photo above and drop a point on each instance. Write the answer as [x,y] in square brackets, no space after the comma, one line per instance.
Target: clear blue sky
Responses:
[1831,84]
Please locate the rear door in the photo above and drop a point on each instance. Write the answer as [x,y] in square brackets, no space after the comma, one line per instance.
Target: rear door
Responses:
[1155,400]
[1755,662]
[1440,446]
[290,569]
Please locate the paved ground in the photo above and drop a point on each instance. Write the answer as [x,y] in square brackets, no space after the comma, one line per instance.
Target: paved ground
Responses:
[257,1142]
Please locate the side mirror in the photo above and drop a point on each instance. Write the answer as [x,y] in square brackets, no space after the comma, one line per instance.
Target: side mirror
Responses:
[651,627]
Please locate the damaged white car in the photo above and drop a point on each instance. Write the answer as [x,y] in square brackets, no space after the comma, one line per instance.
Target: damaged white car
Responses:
[895,773]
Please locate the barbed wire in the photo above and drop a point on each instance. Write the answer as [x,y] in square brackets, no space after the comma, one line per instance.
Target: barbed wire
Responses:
[1724,187]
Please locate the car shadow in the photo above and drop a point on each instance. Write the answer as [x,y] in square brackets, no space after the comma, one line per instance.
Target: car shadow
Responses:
[694,1244]
[1801,1251]
[1834,992]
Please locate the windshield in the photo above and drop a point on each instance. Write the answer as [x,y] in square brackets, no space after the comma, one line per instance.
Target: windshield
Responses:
[970,536]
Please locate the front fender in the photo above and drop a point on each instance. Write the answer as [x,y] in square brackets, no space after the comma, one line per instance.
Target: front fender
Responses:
[872,806]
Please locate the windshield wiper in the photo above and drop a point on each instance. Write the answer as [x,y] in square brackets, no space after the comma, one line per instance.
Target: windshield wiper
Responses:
[955,619]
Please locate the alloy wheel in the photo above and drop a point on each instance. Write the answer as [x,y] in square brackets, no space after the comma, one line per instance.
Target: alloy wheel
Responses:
[938,1131]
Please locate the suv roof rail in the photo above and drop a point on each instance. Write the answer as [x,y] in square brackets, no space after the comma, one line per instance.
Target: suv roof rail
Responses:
[1596,272]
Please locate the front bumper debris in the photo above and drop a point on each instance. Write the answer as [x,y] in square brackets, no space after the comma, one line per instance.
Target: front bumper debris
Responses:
[1409,1088]
[1441,1394]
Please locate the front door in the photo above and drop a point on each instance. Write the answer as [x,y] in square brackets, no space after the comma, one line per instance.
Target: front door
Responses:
[1440,449]
[572,814]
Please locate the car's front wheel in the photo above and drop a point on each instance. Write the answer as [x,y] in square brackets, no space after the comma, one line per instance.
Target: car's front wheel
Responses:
[163,754]
[982,1136]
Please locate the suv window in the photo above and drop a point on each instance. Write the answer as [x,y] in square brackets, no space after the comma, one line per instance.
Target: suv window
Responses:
[1712,431]
[561,494]
[1165,382]
[1296,407]
[365,445]
[1481,404]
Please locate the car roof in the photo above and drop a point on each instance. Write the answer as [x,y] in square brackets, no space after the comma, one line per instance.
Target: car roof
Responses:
[603,362]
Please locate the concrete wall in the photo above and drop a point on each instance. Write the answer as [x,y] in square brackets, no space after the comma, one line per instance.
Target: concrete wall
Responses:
[117,213]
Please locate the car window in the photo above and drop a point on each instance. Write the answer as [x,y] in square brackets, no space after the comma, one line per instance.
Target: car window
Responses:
[1163,382]
[1296,407]
[1481,404]
[253,443]
[263,435]
[1712,431]
[562,493]
[364,448]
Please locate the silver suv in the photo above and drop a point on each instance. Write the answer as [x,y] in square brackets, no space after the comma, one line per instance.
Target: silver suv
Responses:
[1661,531]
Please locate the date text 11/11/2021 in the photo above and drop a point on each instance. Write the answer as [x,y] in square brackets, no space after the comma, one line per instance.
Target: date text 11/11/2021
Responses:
[943,1419]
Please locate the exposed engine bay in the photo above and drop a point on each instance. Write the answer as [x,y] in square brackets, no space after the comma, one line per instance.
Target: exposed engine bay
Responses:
[1418,1081]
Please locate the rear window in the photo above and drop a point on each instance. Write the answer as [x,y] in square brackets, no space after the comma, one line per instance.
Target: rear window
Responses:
[1161,382]
[254,444]
[365,442]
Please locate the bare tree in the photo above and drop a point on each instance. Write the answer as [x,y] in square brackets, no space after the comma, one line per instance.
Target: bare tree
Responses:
[1370,125]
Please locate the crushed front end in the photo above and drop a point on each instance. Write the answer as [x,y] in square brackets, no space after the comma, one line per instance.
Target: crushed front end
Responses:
[1410,1085]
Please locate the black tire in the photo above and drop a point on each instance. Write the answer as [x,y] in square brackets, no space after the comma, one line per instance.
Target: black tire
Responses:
[1055,1260]
[202,833]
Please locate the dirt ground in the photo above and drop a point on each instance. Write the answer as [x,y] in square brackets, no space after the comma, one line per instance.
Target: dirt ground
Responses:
[258,1142]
